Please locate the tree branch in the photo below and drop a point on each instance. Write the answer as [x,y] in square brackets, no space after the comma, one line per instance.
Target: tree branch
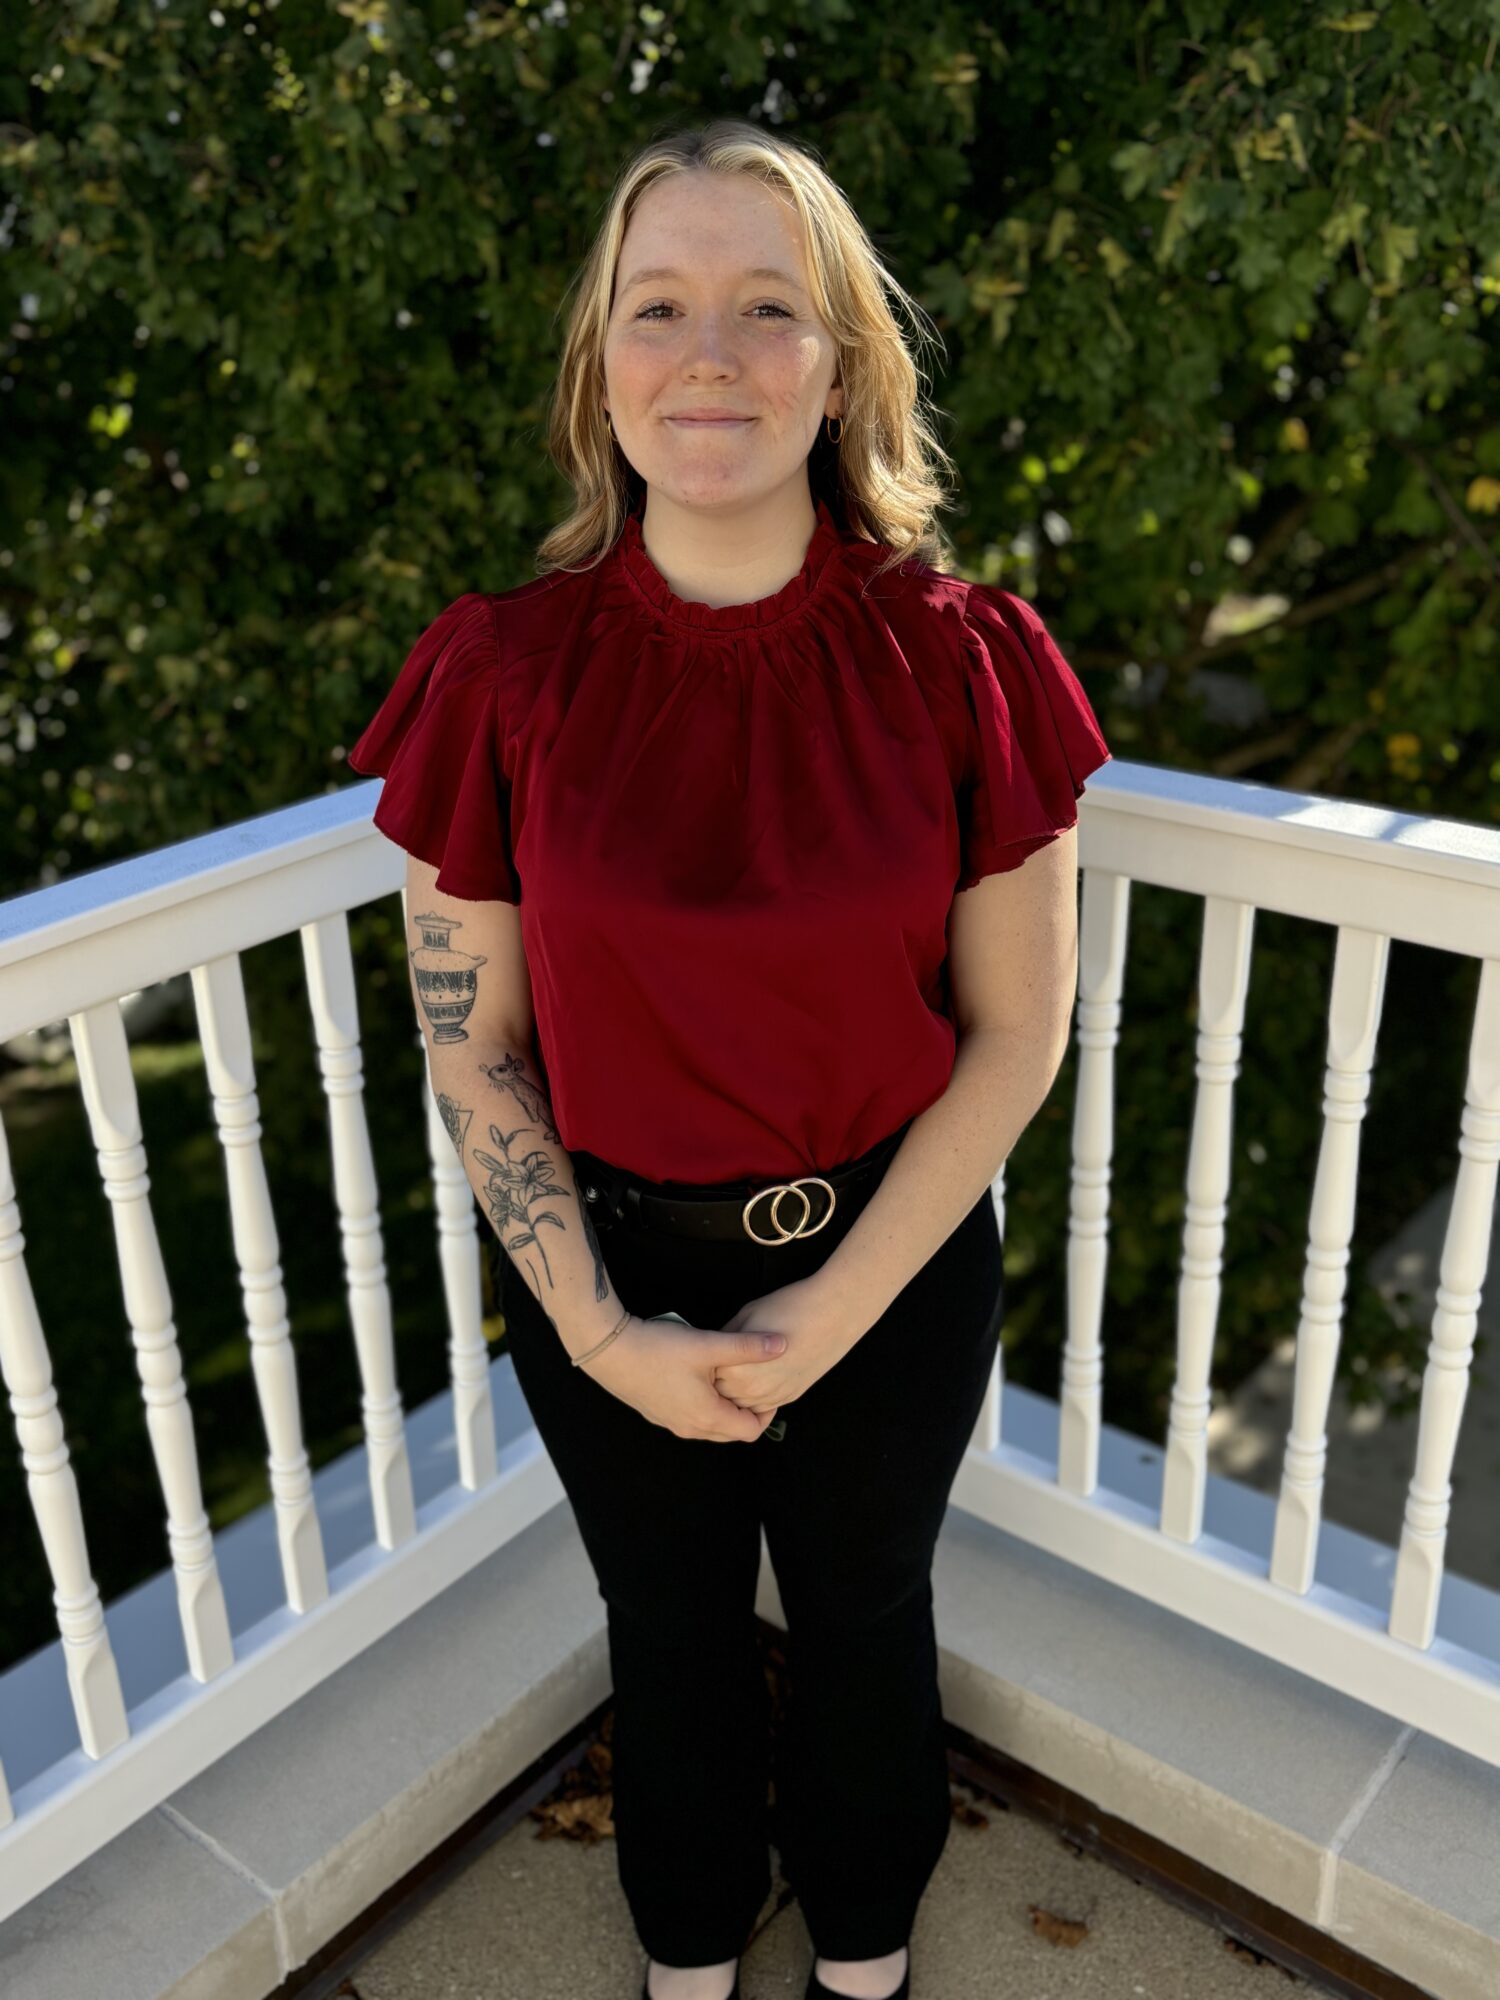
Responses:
[1307,613]
[1452,509]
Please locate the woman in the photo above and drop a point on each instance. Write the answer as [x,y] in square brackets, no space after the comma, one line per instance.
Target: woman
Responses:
[776,1004]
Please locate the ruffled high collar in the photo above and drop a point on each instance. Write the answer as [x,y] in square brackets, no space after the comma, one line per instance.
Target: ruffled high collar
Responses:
[794,595]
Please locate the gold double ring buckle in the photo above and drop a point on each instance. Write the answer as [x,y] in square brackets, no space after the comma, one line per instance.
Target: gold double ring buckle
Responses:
[776,1192]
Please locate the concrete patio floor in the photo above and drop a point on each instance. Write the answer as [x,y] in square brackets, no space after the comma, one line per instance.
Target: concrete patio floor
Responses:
[1013,1910]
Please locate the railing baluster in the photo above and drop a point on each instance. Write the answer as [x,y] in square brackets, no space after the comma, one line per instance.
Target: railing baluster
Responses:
[224,1029]
[1101,979]
[1359,969]
[93,1678]
[335,1012]
[985,1435]
[114,1118]
[1466,1254]
[1223,975]
[458,1258]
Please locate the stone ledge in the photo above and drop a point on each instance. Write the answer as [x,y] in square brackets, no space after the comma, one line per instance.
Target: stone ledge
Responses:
[1418,1879]
[243,1874]
[1382,1837]
[1377,1835]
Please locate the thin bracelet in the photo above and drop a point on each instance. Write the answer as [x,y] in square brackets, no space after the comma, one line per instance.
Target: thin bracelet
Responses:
[589,1355]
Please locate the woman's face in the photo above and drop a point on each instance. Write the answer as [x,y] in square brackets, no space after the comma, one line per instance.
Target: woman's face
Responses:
[717,335]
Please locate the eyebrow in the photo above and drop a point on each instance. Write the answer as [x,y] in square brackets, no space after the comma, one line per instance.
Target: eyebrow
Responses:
[660,274]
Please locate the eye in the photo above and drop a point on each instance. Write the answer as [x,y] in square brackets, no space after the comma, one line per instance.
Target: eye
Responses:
[660,305]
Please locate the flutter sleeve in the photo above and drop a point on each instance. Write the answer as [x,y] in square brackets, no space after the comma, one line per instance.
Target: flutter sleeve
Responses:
[1032,736]
[438,741]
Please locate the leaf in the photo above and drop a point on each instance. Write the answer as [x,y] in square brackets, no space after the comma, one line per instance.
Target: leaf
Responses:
[1136,166]
[1398,248]
[581,1806]
[968,1811]
[586,1818]
[1060,232]
[1116,260]
[1068,1931]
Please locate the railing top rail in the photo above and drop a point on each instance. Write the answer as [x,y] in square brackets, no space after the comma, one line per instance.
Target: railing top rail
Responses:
[121,892]
[1376,836]
[91,904]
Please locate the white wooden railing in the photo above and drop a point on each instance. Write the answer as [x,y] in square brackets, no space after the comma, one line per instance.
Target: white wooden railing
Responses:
[71,951]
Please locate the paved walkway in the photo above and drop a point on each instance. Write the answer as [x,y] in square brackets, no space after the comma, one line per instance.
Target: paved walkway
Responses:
[1012,1910]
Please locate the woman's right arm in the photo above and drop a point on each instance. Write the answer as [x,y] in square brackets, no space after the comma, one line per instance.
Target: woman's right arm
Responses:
[494,1105]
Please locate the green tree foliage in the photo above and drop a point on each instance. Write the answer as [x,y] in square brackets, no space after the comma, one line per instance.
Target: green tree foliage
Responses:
[1217,291]
[1218,294]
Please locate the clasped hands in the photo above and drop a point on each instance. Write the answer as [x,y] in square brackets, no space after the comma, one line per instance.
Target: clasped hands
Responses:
[818,1335]
[812,1322]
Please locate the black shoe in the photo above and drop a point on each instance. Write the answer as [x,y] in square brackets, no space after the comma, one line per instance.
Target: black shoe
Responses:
[816,1990]
[734,1991]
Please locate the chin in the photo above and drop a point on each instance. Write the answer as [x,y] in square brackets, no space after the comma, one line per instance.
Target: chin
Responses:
[712,493]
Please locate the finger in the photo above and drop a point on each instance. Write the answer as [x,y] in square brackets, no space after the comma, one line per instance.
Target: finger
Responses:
[714,1425]
[743,1378]
[745,1435]
[756,1409]
[745,1402]
[729,1349]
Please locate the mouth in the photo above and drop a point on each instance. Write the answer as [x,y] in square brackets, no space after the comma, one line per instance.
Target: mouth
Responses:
[711,423]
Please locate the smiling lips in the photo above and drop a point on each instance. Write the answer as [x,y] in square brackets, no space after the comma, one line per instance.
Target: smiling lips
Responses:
[709,417]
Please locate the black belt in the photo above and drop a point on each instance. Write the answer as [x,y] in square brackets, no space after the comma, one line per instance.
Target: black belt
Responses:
[766,1212]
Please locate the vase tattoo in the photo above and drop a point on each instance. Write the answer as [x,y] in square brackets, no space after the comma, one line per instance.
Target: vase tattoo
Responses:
[446,979]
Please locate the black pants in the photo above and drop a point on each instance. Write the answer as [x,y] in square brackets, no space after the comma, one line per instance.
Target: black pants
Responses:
[851,1500]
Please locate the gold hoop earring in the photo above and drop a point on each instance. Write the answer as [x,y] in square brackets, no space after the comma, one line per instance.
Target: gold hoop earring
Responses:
[610,425]
[829,422]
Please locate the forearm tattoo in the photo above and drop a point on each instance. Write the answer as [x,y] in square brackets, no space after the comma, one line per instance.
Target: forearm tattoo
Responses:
[520,1174]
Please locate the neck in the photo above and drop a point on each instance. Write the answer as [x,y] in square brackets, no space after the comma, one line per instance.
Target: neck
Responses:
[728,556]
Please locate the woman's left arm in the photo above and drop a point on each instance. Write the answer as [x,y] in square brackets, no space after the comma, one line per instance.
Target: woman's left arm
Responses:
[1013,974]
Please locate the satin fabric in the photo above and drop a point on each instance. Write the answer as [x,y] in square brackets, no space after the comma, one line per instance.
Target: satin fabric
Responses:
[734,833]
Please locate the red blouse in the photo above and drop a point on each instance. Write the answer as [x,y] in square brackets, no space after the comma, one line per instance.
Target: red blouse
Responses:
[739,829]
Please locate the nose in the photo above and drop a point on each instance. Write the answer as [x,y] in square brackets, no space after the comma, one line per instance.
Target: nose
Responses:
[712,345]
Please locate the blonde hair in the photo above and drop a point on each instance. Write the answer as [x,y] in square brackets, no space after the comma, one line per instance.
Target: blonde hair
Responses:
[882,480]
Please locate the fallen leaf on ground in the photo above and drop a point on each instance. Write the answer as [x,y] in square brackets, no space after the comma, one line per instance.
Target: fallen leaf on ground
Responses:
[580,1806]
[586,1817]
[1056,1929]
